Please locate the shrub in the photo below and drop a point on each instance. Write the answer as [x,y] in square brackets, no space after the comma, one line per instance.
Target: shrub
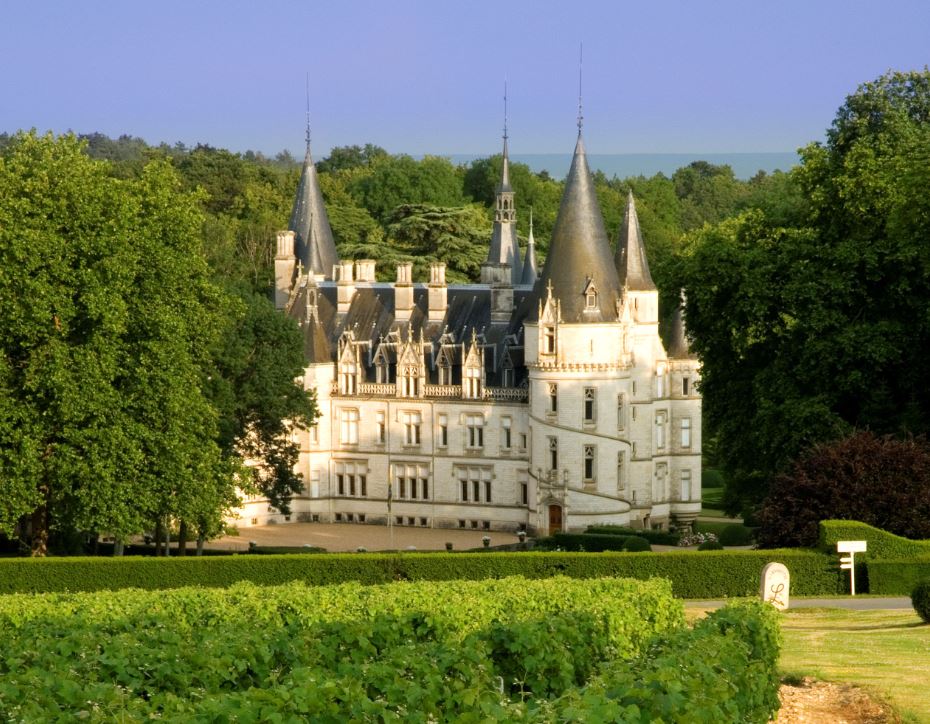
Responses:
[710,545]
[636,544]
[735,535]
[920,599]
[877,480]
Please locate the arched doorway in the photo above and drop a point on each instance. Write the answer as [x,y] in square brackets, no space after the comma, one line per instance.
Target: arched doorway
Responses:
[555,519]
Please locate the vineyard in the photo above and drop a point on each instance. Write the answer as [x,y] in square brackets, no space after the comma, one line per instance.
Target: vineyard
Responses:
[512,649]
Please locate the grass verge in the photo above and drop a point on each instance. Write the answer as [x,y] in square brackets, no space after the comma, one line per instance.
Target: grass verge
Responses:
[887,652]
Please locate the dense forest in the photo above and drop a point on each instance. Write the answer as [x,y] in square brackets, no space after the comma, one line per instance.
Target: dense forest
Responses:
[808,290]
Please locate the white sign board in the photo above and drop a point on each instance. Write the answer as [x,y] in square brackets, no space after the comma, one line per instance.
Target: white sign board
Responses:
[850,546]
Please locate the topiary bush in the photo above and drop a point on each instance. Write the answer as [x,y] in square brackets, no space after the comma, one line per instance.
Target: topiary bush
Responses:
[710,545]
[735,535]
[635,544]
[920,599]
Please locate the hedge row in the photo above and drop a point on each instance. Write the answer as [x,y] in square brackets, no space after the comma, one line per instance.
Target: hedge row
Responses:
[658,537]
[724,670]
[706,575]
[897,576]
[881,544]
[595,543]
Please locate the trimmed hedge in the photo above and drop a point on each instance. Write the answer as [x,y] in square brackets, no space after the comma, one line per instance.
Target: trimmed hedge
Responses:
[897,576]
[881,544]
[714,574]
[592,543]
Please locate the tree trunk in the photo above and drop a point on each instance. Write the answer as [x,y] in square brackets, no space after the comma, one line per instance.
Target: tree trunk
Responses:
[118,547]
[159,534]
[200,541]
[40,525]
[182,538]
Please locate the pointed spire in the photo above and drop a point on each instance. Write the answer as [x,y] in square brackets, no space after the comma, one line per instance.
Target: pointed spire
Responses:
[314,246]
[678,347]
[529,261]
[632,265]
[580,60]
[580,251]
[504,248]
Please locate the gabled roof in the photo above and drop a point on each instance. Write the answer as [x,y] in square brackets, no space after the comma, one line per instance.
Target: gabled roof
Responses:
[632,265]
[579,250]
[314,247]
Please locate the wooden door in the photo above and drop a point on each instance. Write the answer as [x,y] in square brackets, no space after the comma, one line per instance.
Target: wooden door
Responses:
[555,519]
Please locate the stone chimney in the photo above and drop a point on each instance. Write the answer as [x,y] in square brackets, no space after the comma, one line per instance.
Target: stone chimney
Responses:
[284,264]
[345,285]
[365,270]
[438,292]
[403,292]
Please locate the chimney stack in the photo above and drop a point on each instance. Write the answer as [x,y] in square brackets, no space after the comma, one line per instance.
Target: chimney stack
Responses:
[403,292]
[438,292]
[345,286]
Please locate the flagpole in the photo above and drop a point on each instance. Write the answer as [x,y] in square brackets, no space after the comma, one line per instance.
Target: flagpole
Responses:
[390,496]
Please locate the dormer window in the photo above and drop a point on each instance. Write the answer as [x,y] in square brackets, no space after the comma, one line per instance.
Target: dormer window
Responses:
[473,382]
[347,378]
[445,373]
[590,296]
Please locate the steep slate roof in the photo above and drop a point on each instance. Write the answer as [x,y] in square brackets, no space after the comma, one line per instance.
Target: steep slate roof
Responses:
[371,318]
[632,265]
[579,252]
[528,278]
[504,248]
[315,247]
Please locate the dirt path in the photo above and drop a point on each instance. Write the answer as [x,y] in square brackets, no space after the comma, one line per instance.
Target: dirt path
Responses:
[820,702]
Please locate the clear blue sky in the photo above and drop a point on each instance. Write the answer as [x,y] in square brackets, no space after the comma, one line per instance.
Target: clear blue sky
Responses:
[427,76]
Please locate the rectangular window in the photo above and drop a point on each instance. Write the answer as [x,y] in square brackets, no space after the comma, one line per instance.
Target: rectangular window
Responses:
[508,377]
[348,428]
[660,431]
[347,378]
[589,404]
[553,398]
[445,374]
[620,412]
[523,441]
[553,453]
[474,431]
[588,454]
[506,433]
[381,429]
[412,422]
[473,382]
[314,434]
[685,386]
[351,478]
[620,481]
[472,481]
[411,481]
[686,432]
[549,340]
[524,494]
[443,430]
[686,485]
[660,384]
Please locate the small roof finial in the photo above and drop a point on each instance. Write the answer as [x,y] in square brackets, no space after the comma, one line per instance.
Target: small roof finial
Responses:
[580,60]
[505,110]
[308,112]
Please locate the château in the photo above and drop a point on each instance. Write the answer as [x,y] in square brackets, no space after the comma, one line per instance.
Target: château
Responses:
[533,400]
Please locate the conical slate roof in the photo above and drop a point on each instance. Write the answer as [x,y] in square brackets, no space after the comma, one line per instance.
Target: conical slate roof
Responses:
[504,248]
[315,247]
[528,278]
[632,266]
[579,252]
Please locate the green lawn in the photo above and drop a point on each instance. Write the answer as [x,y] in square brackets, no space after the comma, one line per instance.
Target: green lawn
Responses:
[887,652]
